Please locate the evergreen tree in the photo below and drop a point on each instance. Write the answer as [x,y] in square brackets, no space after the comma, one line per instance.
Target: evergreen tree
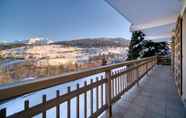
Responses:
[140,48]
[136,45]
[153,48]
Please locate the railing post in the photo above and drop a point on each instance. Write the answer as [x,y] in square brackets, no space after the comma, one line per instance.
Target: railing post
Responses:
[156,59]
[108,93]
[26,108]
[3,113]
[137,73]
[153,62]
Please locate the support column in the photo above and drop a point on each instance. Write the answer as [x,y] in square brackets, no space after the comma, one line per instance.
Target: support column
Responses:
[108,93]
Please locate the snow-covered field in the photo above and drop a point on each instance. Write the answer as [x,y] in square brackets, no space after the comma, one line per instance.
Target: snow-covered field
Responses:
[57,54]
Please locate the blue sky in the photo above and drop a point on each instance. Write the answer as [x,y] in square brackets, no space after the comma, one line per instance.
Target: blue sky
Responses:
[60,20]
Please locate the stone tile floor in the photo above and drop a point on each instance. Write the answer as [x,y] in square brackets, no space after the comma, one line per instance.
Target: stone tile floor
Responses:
[155,97]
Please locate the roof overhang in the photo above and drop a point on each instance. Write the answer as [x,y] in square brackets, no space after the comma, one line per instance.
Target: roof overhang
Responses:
[156,18]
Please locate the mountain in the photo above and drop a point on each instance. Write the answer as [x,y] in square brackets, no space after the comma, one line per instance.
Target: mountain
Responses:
[11,45]
[96,42]
[83,42]
[39,41]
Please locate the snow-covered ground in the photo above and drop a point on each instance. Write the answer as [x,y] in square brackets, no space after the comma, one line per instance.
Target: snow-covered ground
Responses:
[57,54]
[9,63]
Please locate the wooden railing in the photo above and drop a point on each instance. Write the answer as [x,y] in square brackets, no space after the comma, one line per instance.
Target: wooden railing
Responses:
[164,60]
[98,94]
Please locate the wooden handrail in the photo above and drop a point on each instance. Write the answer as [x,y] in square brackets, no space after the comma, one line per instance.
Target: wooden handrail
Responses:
[12,90]
[108,89]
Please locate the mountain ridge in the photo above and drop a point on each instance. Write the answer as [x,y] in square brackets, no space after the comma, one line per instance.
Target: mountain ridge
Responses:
[96,42]
[81,42]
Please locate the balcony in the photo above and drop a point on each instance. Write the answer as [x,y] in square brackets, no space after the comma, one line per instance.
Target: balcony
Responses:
[156,96]
[138,88]
[132,89]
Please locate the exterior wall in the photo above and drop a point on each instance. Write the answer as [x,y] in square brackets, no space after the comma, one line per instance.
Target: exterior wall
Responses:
[184,55]
[177,55]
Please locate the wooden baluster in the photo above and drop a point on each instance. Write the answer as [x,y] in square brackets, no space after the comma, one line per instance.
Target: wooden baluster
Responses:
[108,93]
[117,82]
[44,102]
[143,68]
[132,76]
[120,81]
[112,88]
[123,78]
[129,78]
[133,73]
[69,104]
[147,66]
[115,87]
[125,81]
[77,106]
[101,92]
[3,113]
[137,75]
[85,101]
[117,79]
[139,71]
[26,108]
[91,98]
[58,105]
[97,95]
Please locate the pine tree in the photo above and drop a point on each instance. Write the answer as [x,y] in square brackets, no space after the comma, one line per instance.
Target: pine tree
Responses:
[140,48]
[151,48]
[136,45]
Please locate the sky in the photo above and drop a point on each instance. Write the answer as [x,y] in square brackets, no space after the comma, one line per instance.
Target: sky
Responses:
[60,20]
